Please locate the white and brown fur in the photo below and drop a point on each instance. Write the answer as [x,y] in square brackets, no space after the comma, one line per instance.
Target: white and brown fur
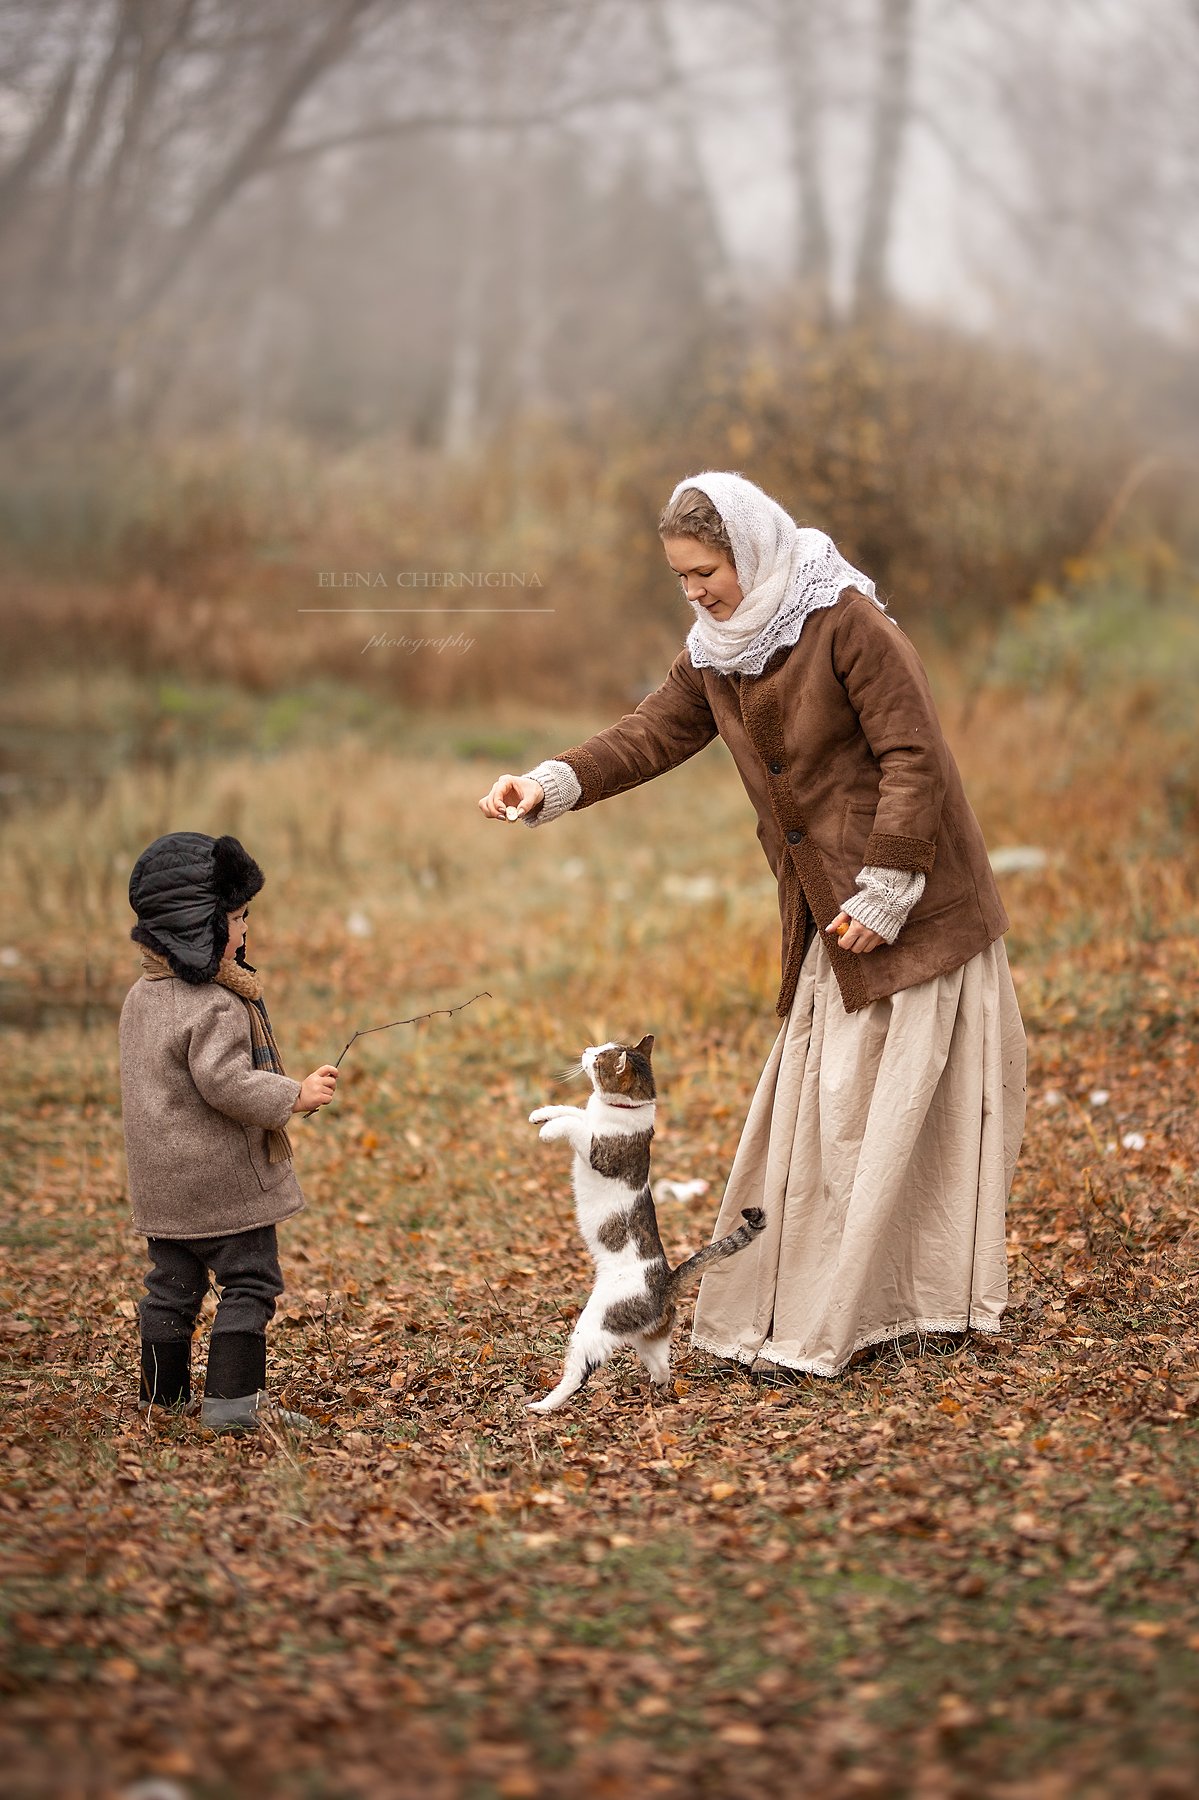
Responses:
[633,1300]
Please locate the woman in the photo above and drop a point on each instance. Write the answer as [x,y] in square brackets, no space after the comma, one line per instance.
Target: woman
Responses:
[883,1134]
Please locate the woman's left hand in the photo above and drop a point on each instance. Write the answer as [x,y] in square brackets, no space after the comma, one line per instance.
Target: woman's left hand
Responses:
[856,937]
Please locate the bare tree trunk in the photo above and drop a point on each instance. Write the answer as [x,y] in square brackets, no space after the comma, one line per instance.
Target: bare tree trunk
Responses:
[249,156]
[892,112]
[61,232]
[155,41]
[44,137]
[511,266]
[464,379]
[799,52]
[99,250]
[697,197]
[532,287]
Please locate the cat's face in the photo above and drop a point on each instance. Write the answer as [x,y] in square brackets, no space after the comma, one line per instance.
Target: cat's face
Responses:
[622,1070]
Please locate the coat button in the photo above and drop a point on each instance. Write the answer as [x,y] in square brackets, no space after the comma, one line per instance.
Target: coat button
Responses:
[776,768]
[795,837]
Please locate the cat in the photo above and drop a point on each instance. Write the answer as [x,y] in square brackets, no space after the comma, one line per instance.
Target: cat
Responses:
[633,1300]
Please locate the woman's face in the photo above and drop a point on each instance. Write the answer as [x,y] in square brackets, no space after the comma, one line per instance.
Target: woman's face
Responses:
[707,575]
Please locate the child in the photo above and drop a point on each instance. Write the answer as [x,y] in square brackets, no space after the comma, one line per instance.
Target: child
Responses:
[205,1104]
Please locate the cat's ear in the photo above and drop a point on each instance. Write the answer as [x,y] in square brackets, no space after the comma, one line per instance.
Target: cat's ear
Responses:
[646,1046]
[621,1062]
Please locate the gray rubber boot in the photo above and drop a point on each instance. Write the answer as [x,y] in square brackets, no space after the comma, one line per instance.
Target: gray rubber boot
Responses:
[247,1413]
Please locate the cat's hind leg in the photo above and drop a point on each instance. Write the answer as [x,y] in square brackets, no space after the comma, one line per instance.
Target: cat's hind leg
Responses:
[590,1348]
[653,1347]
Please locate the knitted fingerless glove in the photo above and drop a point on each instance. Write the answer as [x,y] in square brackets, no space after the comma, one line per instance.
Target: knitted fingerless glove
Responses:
[884,899]
[562,789]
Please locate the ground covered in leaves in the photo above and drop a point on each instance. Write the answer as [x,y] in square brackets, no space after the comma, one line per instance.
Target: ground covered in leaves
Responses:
[965,1568]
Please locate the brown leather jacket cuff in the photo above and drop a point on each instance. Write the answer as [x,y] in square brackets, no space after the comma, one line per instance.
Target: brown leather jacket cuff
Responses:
[885,851]
[588,774]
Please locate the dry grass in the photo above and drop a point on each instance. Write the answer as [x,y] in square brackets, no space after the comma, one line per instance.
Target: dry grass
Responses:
[962,1573]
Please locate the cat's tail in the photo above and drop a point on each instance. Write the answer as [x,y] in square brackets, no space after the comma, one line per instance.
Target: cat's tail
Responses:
[689,1271]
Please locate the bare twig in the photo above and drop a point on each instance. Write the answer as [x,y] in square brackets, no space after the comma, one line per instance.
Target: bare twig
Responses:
[655,1434]
[496,1301]
[1041,1275]
[436,1013]
[235,1581]
[428,1518]
[276,1438]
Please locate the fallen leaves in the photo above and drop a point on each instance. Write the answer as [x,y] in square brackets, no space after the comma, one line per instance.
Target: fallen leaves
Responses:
[919,1570]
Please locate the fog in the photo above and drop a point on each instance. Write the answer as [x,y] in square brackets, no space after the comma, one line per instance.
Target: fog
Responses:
[354,216]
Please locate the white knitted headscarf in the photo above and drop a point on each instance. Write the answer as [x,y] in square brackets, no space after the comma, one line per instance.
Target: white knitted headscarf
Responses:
[785,572]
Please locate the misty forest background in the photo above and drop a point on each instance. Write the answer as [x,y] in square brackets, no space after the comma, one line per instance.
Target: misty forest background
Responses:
[395,294]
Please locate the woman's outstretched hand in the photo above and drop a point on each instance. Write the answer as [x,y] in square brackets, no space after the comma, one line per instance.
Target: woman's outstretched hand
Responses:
[512,790]
[856,937]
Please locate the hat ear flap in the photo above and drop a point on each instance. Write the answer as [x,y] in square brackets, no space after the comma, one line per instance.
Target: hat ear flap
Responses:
[235,875]
[141,934]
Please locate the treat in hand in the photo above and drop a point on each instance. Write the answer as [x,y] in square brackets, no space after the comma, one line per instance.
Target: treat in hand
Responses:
[512,797]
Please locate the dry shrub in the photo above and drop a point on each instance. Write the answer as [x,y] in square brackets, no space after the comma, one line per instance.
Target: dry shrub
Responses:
[958,473]
[962,476]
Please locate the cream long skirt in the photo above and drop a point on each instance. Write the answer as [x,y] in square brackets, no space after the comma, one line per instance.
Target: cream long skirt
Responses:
[881,1144]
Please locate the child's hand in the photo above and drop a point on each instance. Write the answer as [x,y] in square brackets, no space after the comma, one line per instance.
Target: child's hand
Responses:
[316,1089]
[512,790]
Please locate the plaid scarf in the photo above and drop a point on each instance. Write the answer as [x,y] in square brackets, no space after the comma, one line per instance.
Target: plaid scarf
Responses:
[245,983]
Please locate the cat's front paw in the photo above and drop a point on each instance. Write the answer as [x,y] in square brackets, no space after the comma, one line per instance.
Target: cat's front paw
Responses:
[540,1114]
[553,1129]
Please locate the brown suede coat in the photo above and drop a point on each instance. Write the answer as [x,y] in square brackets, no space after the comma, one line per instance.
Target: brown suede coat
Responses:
[840,749]
[196,1113]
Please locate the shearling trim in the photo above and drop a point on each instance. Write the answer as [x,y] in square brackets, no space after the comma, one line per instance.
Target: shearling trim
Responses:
[885,851]
[588,773]
[847,966]
[764,720]
[794,913]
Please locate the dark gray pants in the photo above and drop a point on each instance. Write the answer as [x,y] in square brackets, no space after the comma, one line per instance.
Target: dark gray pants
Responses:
[246,1269]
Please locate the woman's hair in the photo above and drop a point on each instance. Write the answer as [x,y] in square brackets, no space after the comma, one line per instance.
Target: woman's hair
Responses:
[692,515]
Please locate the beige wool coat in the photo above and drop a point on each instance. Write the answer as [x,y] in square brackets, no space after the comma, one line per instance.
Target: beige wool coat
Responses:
[196,1113]
[839,747]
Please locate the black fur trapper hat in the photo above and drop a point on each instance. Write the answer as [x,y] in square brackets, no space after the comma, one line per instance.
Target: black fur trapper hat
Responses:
[181,889]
